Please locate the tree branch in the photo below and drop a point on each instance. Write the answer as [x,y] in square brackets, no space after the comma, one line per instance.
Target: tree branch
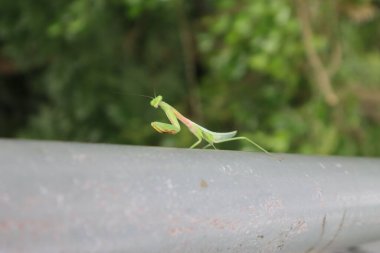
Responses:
[187,41]
[321,75]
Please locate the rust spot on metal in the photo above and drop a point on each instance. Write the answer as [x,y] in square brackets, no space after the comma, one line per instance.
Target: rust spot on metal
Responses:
[198,224]
[297,227]
[203,183]
[174,231]
[26,226]
[223,224]
[272,205]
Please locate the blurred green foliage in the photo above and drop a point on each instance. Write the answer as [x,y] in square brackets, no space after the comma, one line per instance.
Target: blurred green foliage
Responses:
[70,69]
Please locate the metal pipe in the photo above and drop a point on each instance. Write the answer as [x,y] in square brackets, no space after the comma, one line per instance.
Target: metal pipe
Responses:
[71,197]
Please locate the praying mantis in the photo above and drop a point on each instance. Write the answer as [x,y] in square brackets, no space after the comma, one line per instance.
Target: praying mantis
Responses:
[200,132]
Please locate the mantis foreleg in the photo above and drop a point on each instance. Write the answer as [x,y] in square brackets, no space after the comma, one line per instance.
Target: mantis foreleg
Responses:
[172,128]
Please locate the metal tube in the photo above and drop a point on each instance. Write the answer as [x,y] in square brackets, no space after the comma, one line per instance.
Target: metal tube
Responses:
[70,197]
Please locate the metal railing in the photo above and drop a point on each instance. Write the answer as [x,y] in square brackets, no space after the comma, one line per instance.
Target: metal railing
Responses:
[70,197]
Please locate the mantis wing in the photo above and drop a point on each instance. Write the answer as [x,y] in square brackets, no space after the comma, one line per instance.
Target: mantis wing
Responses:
[219,136]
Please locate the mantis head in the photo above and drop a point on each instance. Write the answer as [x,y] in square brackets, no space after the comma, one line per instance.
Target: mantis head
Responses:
[156,101]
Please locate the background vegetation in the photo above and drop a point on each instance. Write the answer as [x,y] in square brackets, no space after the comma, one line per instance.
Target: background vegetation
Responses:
[295,75]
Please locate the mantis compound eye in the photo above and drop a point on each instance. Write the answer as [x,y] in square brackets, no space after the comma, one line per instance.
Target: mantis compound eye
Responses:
[156,101]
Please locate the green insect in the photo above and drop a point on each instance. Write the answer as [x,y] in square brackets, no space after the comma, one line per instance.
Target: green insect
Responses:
[200,132]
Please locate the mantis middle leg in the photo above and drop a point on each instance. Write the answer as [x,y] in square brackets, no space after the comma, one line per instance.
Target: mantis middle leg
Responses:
[196,143]
[198,133]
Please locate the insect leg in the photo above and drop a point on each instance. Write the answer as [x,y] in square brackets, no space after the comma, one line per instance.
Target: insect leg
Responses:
[165,128]
[208,145]
[196,143]
[249,140]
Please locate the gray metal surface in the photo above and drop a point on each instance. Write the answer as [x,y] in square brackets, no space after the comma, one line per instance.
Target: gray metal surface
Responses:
[66,197]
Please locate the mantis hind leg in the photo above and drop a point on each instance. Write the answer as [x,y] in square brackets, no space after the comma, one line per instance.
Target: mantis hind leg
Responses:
[209,145]
[247,139]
